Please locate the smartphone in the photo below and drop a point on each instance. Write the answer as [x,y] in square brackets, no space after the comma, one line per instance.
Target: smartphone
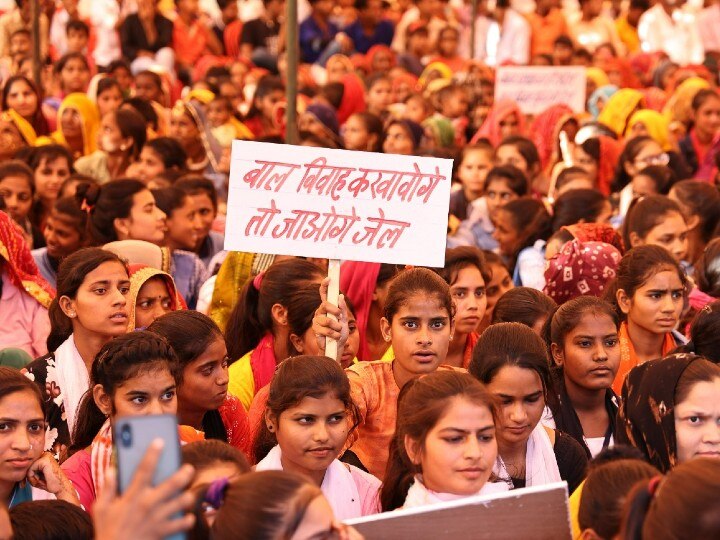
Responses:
[132,436]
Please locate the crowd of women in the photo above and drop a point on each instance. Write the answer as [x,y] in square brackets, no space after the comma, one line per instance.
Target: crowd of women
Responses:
[572,334]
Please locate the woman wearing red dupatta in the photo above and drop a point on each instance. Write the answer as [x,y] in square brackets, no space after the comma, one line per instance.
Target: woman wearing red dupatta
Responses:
[24,294]
[503,120]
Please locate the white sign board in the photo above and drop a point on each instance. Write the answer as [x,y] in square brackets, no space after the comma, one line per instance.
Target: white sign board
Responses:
[337,204]
[539,512]
[535,88]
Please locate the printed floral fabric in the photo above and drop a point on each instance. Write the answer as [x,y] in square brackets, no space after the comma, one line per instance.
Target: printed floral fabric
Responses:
[581,269]
[57,436]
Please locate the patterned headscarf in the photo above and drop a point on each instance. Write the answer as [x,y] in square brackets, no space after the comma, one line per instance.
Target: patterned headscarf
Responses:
[580,269]
[646,418]
[619,108]
[141,274]
[596,232]
[19,264]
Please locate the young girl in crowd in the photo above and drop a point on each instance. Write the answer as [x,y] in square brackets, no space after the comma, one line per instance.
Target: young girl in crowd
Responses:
[511,360]
[466,273]
[122,136]
[700,205]
[582,337]
[670,506]
[656,220]
[20,94]
[418,324]
[257,331]
[29,473]
[308,414]
[670,410]
[705,122]
[278,503]
[133,375]
[157,157]
[502,185]
[183,223]
[109,96]
[379,95]
[526,306]
[89,310]
[520,152]
[202,194]
[648,293]
[126,210]
[474,164]
[639,152]
[402,137]
[203,399]
[362,131]
[24,294]
[522,228]
[580,206]
[51,166]
[152,294]
[500,282]
[17,190]
[214,460]
[261,119]
[302,309]
[604,493]
[65,232]
[73,73]
[598,156]
[444,446]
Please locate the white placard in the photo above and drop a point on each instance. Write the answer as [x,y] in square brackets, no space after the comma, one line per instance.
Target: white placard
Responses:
[538,512]
[337,204]
[535,88]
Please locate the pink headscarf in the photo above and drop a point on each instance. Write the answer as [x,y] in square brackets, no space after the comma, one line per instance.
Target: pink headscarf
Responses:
[581,269]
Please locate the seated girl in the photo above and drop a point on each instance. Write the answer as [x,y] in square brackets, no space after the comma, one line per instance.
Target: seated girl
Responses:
[203,399]
[308,416]
[522,228]
[670,410]
[418,324]
[257,331]
[444,446]
[583,341]
[648,293]
[133,375]
[512,361]
[24,294]
[31,475]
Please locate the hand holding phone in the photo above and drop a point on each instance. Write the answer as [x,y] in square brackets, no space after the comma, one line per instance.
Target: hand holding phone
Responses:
[145,511]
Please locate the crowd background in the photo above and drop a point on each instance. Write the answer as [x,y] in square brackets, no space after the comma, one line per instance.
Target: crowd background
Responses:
[571,335]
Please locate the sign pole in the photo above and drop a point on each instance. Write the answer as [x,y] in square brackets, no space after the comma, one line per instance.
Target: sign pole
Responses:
[37,53]
[331,346]
[291,25]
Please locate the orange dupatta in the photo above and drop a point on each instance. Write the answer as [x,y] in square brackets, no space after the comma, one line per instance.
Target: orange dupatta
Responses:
[628,358]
